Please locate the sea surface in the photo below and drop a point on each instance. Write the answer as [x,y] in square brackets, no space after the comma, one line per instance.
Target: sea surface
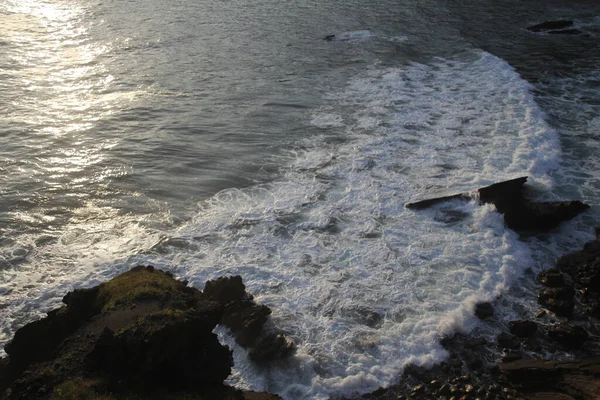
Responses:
[226,137]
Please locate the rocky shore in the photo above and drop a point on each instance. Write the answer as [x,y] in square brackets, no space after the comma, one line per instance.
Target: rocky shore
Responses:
[146,335]
[141,335]
[567,322]
[532,365]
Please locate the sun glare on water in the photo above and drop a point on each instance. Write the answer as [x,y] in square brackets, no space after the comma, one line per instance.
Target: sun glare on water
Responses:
[66,85]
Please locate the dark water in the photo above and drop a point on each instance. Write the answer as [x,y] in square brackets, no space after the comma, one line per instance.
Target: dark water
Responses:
[211,138]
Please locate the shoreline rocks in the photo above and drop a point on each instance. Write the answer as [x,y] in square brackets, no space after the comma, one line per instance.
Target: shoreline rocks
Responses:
[474,370]
[142,334]
[246,320]
[146,334]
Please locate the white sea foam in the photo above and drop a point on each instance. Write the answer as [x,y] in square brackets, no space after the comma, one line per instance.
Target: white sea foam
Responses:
[361,284]
[355,35]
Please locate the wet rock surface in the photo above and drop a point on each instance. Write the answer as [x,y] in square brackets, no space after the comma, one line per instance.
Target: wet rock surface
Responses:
[475,370]
[520,214]
[484,310]
[247,320]
[523,328]
[141,335]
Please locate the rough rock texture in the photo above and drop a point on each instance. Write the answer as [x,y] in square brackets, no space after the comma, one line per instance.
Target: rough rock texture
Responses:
[570,336]
[560,301]
[584,266]
[520,214]
[247,320]
[141,335]
[554,380]
[576,277]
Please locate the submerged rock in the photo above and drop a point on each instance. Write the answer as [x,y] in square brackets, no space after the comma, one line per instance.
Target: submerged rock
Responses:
[484,310]
[550,26]
[520,214]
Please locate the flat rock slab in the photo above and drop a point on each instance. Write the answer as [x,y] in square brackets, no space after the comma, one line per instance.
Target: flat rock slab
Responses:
[579,379]
[520,214]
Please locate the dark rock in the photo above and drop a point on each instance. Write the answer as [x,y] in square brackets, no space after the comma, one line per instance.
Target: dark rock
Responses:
[552,278]
[166,349]
[550,26]
[555,379]
[4,375]
[503,194]
[533,216]
[508,341]
[484,310]
[522,329]
[569,336]
[583,266]
[420,205]
[226,289]
[246,320]
[558,300]
[142,334]
[566,32]
[329,38]
[509,357]
[520,214]
[271,347]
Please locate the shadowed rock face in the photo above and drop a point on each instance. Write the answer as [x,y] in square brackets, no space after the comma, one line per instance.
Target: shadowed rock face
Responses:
[520,214]
[141,335]
[247,320]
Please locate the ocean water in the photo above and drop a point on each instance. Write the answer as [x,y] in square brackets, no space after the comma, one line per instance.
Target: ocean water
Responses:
[219,138]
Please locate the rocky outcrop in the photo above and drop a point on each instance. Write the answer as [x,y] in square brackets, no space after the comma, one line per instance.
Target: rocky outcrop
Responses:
[247,320]
[142,334]
[520,214]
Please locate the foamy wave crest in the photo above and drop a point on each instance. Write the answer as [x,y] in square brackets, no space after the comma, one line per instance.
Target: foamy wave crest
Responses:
[363,285]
